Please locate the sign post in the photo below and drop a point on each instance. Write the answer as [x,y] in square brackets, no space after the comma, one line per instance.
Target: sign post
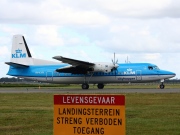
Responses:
[89,115]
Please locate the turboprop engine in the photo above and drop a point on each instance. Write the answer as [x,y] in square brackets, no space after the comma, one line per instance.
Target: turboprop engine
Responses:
[104,67]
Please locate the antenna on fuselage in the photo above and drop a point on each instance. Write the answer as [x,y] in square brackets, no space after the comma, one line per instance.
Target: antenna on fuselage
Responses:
[127,61]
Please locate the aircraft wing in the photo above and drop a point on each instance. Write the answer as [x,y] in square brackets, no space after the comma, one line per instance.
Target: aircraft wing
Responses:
[78,66]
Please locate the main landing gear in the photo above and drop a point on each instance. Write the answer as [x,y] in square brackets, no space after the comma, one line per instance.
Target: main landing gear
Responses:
[86,86]
[100,86]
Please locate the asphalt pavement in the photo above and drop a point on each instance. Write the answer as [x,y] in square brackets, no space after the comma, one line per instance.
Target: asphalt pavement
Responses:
[89,91]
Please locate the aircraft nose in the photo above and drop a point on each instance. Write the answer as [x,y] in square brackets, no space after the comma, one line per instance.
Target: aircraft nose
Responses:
[173,74]
[170,74]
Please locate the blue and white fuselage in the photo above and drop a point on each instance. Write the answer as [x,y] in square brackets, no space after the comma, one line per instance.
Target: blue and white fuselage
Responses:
[79,72]
[131,72]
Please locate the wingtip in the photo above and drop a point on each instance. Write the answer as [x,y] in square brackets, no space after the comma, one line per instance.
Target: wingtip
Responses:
[57,57]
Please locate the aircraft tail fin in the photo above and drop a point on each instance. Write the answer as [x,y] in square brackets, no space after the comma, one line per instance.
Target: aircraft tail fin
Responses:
[21,56]
[20,53]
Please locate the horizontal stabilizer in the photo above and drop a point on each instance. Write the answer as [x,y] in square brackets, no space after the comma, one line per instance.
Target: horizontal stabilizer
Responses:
[16,65]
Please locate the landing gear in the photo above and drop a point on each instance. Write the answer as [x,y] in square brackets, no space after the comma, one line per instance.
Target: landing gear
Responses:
[85,86]
[100,86]
[161,86]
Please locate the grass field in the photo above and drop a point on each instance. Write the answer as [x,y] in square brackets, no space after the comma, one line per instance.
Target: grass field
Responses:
[146,114]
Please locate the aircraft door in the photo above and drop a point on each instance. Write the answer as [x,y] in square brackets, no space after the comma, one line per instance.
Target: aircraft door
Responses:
[138,75]
[49,76]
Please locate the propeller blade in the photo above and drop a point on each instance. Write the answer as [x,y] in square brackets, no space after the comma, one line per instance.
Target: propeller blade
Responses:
[116,61]
[114,58]
[114,69]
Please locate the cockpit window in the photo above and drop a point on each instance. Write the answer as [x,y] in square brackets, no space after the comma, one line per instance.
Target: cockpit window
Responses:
[156,67]
[153,68]
[150,67]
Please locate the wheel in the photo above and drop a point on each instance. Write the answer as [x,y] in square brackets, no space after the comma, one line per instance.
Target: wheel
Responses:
[100,86]
[85,86]
[161,86]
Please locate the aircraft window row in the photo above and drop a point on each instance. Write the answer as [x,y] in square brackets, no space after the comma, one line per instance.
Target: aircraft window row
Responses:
[99,73]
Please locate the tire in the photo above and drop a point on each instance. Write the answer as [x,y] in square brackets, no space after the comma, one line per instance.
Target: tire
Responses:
[85,86]
[100,86]
[161,86]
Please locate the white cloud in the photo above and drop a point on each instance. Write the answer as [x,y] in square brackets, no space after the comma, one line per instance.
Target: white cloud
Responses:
[48,12]
[48,35]
[147,36]
[152,56]
[4,68]
[11,30]
[4,51]
[138,8]
[129,8]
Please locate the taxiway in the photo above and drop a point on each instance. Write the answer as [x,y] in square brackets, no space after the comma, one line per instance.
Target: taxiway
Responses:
[89,91]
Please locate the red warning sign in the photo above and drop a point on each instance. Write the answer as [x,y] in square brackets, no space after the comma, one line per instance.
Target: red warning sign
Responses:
[89,114]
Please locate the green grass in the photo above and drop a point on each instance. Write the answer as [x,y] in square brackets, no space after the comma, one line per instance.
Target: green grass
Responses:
[26,114]
[146,114]
[153,114]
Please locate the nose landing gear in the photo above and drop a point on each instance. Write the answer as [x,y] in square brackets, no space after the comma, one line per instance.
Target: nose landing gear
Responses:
[162,86]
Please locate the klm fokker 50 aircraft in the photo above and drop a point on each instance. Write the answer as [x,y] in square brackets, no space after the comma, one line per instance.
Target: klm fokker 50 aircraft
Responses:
[73,71]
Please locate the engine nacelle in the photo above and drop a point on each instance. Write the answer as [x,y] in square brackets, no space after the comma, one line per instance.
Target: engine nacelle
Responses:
[103,67]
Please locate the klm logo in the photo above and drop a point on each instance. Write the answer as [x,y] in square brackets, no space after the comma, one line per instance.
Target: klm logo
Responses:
[19,54]
[129,72]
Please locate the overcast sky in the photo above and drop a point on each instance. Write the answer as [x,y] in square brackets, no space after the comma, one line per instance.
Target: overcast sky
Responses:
[144,30]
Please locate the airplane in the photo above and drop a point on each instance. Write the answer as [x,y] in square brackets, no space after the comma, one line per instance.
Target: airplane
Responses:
[72,71]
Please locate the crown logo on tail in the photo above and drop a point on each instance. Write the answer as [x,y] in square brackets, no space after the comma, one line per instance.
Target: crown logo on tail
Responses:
[18,51]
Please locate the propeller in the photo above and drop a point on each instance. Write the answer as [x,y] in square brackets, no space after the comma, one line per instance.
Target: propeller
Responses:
[115,65]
